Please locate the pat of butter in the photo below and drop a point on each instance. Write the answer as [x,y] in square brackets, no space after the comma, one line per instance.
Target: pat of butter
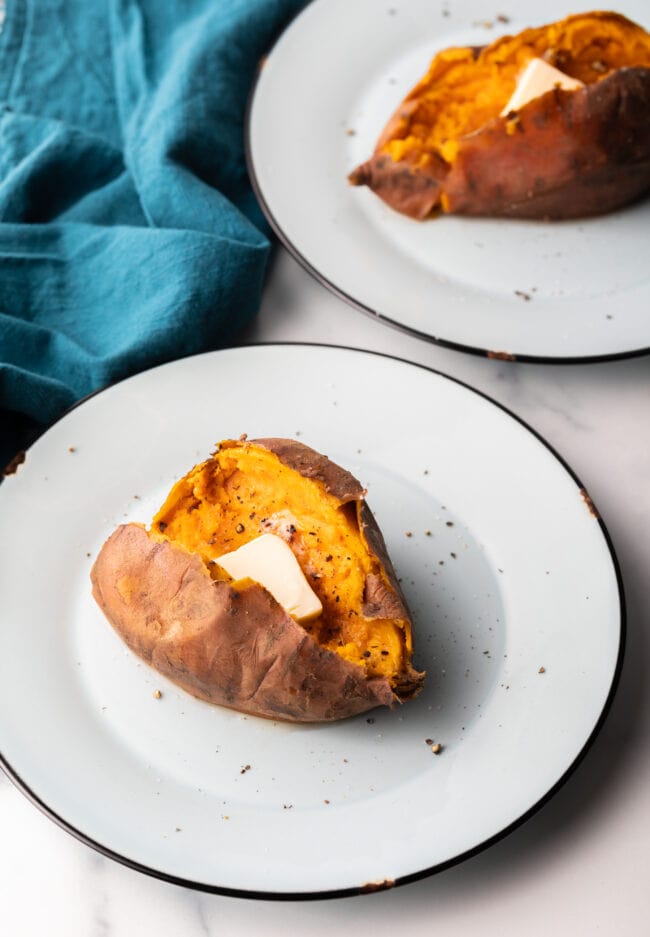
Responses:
[537,78]
[269,561]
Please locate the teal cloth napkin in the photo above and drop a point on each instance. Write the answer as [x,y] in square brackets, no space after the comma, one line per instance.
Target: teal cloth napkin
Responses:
[129,234]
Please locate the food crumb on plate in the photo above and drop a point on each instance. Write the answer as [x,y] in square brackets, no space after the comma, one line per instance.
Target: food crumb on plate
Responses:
[17,460]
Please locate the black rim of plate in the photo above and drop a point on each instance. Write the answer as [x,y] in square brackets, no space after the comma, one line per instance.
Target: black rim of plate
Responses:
[498,354]
[423,873]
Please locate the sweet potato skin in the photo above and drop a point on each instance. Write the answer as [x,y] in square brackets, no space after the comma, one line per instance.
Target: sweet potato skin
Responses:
[238,647]
[572,155]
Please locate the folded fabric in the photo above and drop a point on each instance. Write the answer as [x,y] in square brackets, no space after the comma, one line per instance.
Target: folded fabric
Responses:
[129,234]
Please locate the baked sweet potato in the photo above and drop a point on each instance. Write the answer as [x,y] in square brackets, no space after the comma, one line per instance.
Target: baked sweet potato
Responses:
[230,642]
[564,154]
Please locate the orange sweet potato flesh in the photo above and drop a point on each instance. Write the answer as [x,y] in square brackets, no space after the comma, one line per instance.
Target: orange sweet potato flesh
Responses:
[231,643]
[565,154]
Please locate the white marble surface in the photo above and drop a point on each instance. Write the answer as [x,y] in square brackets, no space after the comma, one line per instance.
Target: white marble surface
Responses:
[579,866]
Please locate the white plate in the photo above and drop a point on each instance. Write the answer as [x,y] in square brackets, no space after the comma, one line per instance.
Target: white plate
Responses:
[452,280]
[516,574]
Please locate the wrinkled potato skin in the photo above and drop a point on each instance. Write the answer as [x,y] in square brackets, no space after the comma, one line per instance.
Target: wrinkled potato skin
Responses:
[240,649]
[236,649]
[574,154]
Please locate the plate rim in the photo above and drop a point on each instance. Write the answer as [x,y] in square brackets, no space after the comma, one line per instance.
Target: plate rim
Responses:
[369,887]
[292,248]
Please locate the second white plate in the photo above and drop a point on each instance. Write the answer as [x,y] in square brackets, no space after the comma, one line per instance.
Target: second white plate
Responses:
[561,291]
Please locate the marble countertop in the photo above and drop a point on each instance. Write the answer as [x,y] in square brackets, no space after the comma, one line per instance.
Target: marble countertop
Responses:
[579,866]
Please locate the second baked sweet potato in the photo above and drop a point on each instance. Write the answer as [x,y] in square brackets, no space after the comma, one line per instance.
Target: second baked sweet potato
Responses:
[565,154]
